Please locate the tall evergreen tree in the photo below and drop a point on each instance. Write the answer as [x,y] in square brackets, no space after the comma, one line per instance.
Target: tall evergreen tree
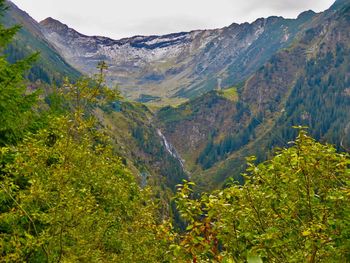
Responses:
[16,103]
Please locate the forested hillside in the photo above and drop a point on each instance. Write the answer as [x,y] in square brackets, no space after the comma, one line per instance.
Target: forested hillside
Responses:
[50,67]
[305,84]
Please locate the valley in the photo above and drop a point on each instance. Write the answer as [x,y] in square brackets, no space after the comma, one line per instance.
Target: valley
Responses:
[224,145]
[218,96]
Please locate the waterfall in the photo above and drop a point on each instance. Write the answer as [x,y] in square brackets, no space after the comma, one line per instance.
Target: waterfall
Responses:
[170,148]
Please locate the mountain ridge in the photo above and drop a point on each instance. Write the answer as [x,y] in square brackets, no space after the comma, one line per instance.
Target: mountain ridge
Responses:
[49,21]
[179,65]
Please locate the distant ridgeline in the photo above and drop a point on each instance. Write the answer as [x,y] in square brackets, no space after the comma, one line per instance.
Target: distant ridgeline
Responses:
[175,67]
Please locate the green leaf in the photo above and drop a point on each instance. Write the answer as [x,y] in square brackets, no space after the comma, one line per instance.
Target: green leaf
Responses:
[254,259]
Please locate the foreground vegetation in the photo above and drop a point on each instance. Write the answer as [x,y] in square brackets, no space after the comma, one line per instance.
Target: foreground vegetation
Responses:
[66,196]
[293,208]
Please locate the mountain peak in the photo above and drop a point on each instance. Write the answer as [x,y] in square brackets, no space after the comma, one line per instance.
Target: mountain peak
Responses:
[306,14]
[53,24]
[50,20]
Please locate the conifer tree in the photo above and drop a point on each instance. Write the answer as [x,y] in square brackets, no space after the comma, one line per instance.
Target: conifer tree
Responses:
[16,103]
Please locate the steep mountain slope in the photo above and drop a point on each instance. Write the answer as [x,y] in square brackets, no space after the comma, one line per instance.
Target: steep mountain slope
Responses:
[306,84]
[51,67]
[181,65]
[141,145]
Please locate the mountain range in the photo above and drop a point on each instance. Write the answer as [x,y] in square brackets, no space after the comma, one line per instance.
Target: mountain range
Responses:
[179,66]
[228,93]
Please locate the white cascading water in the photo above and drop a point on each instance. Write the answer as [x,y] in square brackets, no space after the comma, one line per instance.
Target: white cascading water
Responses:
[171,149]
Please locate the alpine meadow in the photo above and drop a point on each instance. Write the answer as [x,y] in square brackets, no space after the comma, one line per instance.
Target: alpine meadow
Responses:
[223,145]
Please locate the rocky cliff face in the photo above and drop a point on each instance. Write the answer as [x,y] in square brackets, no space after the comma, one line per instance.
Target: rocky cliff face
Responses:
[181,65]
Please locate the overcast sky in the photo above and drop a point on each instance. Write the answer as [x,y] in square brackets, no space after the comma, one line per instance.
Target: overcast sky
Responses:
[125,18]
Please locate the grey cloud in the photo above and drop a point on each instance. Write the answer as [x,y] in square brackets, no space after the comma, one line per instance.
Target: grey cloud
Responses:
[278,7]
[124,18]
[167,25]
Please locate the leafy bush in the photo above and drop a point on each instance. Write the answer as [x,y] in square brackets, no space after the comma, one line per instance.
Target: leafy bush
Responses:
[293,208]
